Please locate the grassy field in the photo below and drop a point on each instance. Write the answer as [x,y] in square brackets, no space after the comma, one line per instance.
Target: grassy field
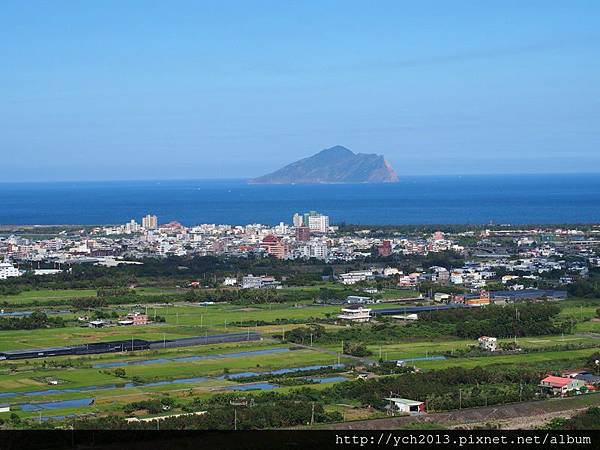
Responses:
[591,326]
[28,376]
[440,347]
[78,377]
[222,315]
[583,311]
[183,320]
[525,359]
[49,295]
[51,337]
[46,295]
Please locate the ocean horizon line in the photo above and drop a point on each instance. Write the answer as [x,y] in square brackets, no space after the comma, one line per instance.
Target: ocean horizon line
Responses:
[247,179]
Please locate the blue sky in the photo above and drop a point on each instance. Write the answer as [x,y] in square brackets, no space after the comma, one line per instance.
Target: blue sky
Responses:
[190,89]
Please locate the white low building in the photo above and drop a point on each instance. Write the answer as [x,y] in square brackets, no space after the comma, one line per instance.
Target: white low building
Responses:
[406,406]
[355,277]
[42,272]
[355,313]
[230,281]
[488,343]
[7,270]
[406,317]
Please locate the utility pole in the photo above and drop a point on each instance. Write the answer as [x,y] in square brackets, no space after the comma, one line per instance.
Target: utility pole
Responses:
[459,398]
[520,391]
[312,414]
[234,419]
[311,339]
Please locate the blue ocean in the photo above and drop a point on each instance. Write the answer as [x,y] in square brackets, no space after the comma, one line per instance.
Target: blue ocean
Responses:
[506,199]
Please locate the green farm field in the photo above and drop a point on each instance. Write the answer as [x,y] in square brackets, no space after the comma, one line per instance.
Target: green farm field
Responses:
[46,295]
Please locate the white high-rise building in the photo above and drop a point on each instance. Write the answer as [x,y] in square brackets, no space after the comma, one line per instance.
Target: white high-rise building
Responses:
[132,227]
[297,220]
[150,222]
[281,229]
[318,250]
[318,223]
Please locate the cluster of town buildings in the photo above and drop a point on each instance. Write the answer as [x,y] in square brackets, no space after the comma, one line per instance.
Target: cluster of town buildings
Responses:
[515,260]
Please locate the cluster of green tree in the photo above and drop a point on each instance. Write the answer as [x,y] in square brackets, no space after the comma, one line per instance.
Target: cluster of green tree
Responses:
[207,269]
[99,314]
[279,321]
[585,288]
[263,415]
[586,420]
[305,335]
[88,302]
[326,294]
[356,349]
[153,406]
[512,347]
[115,292]
[525,319]
[447,259]
[263,296]
[390,368]
[80,276]
[369,334]
[593,363]
[129,299]
[31,322]
[304,279]
[410,263]
[443,389]
[237,296]
[278,379]
[10,290]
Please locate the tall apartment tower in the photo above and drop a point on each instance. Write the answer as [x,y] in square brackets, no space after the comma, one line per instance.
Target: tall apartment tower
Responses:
[318,223]
[297,220]
[150,222]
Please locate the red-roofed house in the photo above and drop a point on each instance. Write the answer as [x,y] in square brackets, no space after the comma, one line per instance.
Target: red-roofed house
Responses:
[560,385]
